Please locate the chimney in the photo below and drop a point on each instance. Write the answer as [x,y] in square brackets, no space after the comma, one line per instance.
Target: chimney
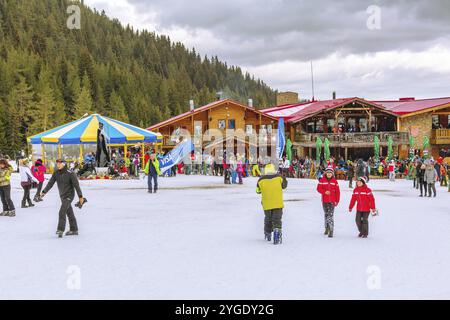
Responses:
[250,103]
[334,95]
[191,105]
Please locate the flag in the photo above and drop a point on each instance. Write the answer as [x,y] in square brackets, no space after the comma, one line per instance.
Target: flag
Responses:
[281,139]
[175,156]
[289,149]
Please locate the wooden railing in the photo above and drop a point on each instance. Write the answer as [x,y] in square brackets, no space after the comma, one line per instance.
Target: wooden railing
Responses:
[356,138]
[440,136]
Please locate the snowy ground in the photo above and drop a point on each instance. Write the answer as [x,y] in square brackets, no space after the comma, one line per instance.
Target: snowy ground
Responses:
[200,239]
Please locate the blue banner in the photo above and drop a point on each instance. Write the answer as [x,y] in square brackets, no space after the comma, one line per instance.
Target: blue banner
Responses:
[175,156]
[281,139]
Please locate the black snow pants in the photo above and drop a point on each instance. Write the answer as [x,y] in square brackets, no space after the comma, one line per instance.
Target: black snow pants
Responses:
[67,210]
[5,194]
[362,222]
[272,220]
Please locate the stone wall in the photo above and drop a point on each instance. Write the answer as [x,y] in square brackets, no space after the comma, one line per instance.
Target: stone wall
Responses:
[419,126]
[287,98]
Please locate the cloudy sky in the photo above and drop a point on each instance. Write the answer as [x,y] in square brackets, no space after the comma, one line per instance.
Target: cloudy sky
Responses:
[375,49]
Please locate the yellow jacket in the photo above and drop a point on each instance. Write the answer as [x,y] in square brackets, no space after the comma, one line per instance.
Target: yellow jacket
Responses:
[155,164]
[5,176]
[271,189]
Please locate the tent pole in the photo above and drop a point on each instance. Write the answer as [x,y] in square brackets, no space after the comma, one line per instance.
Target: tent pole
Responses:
[143,154]
[59,152]
[43,153]
[81,153]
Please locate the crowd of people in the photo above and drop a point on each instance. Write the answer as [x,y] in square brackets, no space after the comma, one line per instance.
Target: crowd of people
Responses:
[424,173]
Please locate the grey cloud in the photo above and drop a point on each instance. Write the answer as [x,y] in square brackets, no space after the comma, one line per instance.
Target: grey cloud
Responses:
[258,31]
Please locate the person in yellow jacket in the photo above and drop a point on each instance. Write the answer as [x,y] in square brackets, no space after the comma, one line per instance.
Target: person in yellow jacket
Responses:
[255,170]
[152,171]
[271,186]
[5,189]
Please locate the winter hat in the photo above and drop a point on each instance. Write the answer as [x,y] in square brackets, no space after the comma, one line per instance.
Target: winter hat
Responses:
[329,169]
[39,162]
[269,169]
[363,179]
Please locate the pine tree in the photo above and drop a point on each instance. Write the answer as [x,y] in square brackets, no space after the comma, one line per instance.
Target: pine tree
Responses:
[43,112]
[117,108]
[83,104]
[19,102]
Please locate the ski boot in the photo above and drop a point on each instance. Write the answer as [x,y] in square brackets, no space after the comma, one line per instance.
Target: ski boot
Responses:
[277,236]
[71,233]
[327,230]
[150,191]
[11,213]
[268,236]
[330,234]
[59,234]
[2,214]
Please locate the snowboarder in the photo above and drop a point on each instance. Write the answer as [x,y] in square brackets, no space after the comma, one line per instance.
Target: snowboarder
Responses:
[26,181]
[152,171]
[362,195]
[271,186]
[5,189]
[67,185]
[328,187]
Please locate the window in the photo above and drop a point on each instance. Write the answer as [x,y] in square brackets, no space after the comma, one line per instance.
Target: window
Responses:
[221,124]
[231,124]
[269,129]
[248,129]
[435,122]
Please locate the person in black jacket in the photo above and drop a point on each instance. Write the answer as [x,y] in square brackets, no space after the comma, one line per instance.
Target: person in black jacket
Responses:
[67,185]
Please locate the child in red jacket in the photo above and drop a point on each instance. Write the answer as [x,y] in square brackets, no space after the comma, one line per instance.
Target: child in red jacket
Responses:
[328,187]
[366,203]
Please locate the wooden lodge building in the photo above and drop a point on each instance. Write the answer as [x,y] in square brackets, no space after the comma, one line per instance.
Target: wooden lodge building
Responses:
[350,124]
[221,115]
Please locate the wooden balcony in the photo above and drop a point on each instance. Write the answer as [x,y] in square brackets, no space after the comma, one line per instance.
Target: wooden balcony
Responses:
[440,136]
[357,139]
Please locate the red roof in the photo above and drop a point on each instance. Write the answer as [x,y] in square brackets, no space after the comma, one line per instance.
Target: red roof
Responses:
[403,107]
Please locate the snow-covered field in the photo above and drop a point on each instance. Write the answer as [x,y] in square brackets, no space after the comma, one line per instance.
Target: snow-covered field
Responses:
[200,239]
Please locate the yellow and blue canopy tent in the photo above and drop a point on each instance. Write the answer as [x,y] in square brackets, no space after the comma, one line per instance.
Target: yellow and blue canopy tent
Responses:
[84,131]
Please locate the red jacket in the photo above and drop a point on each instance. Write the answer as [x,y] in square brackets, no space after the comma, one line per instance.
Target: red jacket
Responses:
[329,185]
[364,196]
[391,167]
[38,172]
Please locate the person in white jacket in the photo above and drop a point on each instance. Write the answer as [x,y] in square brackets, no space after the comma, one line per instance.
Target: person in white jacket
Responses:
[26,181]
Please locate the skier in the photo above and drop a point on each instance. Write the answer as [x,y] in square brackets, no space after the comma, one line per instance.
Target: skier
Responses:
[67,185]
[366,203]
[152,171]
[271,186]
[328,187]
[5,189]
[38,171]
[26,181]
